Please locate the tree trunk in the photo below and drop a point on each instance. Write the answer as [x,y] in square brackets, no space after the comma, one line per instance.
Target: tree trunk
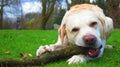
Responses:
[1,18]
[48,7]
[1,14]
[114,11]
[43,22]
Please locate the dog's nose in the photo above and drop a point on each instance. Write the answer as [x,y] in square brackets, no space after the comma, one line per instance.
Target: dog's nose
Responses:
[89,39]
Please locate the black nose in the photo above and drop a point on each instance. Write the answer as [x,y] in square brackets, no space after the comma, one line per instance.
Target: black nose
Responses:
[89,39]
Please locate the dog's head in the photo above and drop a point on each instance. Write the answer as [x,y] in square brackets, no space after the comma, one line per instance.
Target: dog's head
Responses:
[85,25]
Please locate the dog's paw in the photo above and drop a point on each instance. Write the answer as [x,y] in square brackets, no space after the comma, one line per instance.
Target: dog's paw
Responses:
[77,59]
[43,49]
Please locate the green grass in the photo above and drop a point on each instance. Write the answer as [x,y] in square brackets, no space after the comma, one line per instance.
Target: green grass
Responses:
[27,41]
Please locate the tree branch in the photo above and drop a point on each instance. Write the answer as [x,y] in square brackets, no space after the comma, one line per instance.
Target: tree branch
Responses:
[60,53]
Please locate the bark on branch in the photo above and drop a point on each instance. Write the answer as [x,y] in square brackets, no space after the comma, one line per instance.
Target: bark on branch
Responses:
[60,53]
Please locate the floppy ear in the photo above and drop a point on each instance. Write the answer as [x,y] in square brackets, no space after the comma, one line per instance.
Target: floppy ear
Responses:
[62,33]
[107,26]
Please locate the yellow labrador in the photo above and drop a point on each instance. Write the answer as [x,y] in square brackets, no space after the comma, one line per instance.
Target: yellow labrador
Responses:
[83,25]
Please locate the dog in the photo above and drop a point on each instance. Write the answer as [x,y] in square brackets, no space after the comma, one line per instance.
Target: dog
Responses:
[83,25]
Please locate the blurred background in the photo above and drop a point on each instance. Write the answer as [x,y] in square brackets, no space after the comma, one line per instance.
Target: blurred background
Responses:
[47,14]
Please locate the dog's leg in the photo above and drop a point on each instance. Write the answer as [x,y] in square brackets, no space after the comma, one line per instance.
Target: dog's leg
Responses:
[51,47]
[78,59]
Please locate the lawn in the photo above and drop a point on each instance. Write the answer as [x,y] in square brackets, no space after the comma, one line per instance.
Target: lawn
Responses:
[15,42]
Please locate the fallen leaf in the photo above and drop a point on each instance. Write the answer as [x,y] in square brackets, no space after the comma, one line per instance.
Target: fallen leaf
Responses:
[7,52]
[30,55]
[43,39]
[23,55]
[109,46]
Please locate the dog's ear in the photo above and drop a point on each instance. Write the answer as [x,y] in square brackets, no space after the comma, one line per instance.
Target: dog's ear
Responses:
[107,26]
[62,33]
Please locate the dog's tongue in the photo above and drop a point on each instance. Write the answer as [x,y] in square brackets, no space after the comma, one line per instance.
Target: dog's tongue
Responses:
[93,53]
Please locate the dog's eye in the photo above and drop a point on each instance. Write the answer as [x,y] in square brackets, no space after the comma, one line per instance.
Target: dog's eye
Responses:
[93,24]
[75,29]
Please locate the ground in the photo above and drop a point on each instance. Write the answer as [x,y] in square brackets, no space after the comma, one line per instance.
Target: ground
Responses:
[16,42]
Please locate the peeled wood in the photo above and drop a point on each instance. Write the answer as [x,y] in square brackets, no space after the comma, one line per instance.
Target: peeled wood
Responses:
[60,53]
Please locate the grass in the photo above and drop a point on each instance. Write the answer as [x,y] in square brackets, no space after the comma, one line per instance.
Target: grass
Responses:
[27,41]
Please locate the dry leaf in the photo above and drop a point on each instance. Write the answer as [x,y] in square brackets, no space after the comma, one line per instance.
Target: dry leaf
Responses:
[23,55]
[30,55]
[7,52]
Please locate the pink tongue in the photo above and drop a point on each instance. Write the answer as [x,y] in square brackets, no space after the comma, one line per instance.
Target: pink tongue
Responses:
[93,52]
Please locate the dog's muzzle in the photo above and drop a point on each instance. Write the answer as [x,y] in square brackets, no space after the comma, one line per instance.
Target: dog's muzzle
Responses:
[91,40]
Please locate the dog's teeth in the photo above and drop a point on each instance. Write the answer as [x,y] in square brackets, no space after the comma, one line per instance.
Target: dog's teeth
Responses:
[89,53]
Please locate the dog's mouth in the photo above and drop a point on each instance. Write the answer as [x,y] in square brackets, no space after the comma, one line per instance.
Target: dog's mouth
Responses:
[91,51]
[94,52]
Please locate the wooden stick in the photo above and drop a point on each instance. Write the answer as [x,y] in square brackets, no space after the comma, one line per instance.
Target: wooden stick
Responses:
[59,53]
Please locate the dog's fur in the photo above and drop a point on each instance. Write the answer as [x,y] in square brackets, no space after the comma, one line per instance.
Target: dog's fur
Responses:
[79,21]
